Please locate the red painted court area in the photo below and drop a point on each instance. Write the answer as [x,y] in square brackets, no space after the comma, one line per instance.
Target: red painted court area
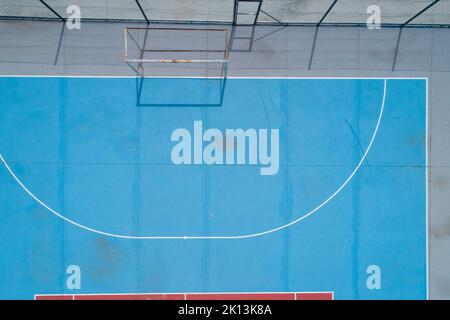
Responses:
[195,296]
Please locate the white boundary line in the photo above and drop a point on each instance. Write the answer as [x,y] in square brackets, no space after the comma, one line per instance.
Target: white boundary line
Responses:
[427,177]
[243,236]
[427,171]
[199,77]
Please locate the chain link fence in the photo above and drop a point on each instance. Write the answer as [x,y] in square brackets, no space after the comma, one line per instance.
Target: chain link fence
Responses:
[286,11]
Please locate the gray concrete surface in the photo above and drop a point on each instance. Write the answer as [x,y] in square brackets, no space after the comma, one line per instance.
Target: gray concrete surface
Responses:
[45,48]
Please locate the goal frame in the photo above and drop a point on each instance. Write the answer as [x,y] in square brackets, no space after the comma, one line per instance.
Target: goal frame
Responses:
[139,69]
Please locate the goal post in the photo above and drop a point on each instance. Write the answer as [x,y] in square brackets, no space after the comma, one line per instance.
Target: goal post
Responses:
[205,50]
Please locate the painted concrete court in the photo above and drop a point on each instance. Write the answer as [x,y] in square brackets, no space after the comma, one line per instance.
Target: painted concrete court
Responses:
[88,180]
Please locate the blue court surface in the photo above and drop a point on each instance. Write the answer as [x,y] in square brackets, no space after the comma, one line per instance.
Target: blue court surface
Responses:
[200,185]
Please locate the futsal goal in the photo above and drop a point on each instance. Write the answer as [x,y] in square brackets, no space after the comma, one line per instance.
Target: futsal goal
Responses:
[164,51]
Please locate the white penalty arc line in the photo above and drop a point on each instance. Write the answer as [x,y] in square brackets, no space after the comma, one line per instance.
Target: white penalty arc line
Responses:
[252,235]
